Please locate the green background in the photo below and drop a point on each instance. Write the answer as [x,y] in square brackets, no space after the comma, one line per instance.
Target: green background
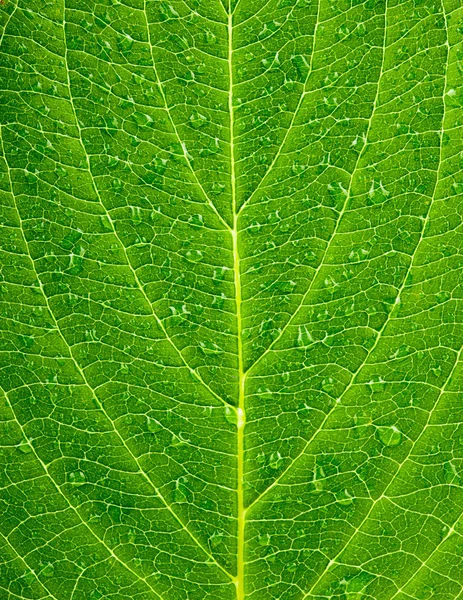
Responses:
[219,214]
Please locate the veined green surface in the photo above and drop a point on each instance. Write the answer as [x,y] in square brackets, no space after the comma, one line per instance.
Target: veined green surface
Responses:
[231,300]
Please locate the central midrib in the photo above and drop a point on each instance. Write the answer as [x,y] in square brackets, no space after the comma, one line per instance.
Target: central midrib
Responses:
[241,415]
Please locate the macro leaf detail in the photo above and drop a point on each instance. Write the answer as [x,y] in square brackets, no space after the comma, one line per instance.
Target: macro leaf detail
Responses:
[230,290]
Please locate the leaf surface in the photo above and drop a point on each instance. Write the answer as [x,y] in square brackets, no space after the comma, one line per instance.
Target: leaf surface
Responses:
[231,319]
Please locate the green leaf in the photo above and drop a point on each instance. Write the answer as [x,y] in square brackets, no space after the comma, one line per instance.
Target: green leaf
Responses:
[230,299]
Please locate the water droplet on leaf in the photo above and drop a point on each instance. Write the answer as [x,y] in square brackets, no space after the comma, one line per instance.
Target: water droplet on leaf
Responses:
[125,43]
[153,425]
[25,447]
[194,256]
[197,220]
[48,570]
[345,498]
[209,37]
[304,338]
[230,415]
[210,348]
[377,384]
[77,478]
[389,436]
[275,460]
[215,540]
[264,539]
[197,120]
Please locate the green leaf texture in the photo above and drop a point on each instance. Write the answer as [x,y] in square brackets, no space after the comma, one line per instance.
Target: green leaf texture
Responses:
[231,299]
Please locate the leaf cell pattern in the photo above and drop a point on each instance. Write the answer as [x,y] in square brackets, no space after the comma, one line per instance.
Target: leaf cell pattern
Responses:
[231,302]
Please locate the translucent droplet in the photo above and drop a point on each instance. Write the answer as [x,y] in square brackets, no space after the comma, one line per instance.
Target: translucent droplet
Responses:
[328,385]
[117,185]
[304,338]
[197,120]
[231,415]
[211,149]
[329,282]
[436,370]
[113,161]
[48,570]
[219,301]
[30,177]
[197,220]
[301,67]
[141,119]
[358,254]
[178,43]
[451,474]
[274,217]
[443,296]
[298,168]
[377,193]
[255,227]
[72,299]
[389,436]
[125,43]
[349,310]
[219,274]
[355,586]
[377,384]
[181,493]
[345,498]
[77,478]
[105,223]
[135,214]
[153,425]
[209,37]
[318,485]
[218,188]
[284,377]
[275,460]
[131,536]
[264,539]
[76,264]
[158,165]
[28,578]
[167,11]
[210,348]
[215,540]
[401,352]
[178,440]
[194,256]
[25,447]
[322,315]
